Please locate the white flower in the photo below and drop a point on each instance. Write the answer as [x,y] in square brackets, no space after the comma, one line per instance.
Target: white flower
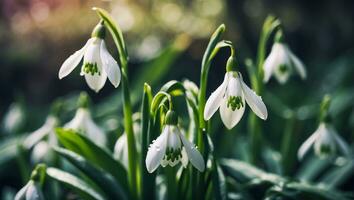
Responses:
[31,191]
[46,130]
[41,141]
[121,146]
[230,97]
[97,65]
[325,141]
[282,62]
[83,123]
[170,148]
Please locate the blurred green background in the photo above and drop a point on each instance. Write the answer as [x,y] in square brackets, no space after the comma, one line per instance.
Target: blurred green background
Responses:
[166,40]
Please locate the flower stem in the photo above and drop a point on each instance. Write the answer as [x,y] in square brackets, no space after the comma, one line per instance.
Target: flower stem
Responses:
[127,109]
[208,55]
[270,24]
[288,146]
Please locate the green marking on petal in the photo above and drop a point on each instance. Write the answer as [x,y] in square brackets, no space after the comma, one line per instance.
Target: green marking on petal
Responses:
[283,69]
[234,102]
[91,68]
[326,150]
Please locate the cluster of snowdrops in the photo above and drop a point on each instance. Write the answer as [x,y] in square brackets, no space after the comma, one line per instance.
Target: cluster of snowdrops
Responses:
[157,138]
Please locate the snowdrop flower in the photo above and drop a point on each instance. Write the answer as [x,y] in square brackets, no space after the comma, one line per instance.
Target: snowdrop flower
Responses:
[121,146]
[171,148]
[31,191]
[281,62]
[325,141]
[230,98]
[48,129]
[82,122]
[98,64]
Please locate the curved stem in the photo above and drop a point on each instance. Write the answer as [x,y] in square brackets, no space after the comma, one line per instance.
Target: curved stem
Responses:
[127,109]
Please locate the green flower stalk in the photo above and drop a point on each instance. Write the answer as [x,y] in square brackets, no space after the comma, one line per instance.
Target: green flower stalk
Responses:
[256,74]
[127,108]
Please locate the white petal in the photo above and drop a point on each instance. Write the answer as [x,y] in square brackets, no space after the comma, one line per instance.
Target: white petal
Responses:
[110,66]
[173,140]
[193,154]
[254,101]
[184,159]
[231,118]
[40,133]
[34,192]
[40,152]
[21,194]
[305,147]
[215,99]
[270,63]
[77,123]
[298,65]
[283,60]
[121,150]
[157,151]
[83,123]
[92,55]
[70,63]
[164,162]
[94,132]
[96,82]
[325,138]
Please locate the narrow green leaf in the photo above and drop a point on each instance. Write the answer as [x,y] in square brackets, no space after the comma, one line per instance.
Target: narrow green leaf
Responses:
[159,100]
[245,172]
[338,175]
[95,154]
[214,40]
[111,187]
[147,180]
[173,87]
[219,182]
[82,188]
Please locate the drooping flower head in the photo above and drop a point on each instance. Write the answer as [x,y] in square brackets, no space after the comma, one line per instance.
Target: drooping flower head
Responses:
[32,190]
[83,123]
[171,148]
[282,62]
[325,139]
[231,97]
[98,63]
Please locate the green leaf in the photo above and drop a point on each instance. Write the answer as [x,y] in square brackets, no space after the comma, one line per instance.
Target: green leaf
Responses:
[8,150]
[214,40]
[147,180]
[270,24]
[82,188]
[315,192]
[95,154]
[337,175]
[311,168]
[245,172]
[175,88]
[111,187]
[160,99]
[219,182]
